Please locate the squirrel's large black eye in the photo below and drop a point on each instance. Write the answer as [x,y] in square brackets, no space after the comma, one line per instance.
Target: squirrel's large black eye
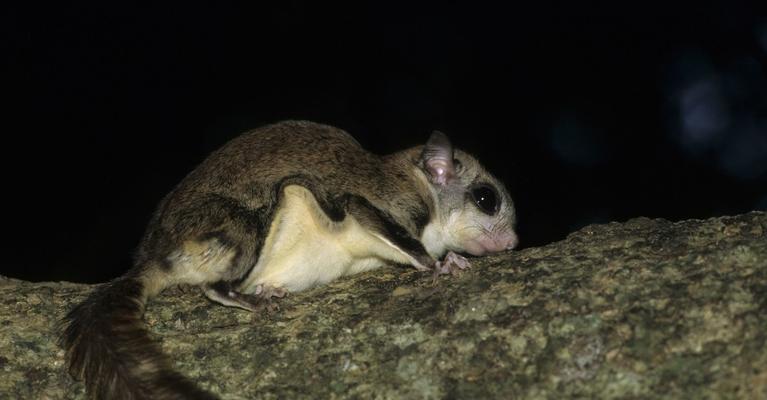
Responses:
[485,198]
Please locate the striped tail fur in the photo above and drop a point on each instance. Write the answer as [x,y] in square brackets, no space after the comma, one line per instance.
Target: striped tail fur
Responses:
[108,346]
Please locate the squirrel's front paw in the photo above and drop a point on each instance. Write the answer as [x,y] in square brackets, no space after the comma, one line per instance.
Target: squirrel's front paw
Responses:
[453,264]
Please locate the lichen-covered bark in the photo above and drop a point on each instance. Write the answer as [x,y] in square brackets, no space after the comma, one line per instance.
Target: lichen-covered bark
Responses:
[642,309]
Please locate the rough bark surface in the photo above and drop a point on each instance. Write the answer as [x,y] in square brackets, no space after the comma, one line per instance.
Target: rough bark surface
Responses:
[641,309]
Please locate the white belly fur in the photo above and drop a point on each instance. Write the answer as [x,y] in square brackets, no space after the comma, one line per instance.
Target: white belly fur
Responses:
[304,248]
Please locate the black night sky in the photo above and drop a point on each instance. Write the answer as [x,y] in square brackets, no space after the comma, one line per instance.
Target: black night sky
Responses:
[590,112]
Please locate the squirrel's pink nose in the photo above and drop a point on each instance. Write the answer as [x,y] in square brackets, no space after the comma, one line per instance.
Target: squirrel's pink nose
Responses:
[501,242]
[512,240]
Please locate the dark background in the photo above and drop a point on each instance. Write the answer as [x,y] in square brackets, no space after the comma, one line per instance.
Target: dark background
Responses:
[590,112]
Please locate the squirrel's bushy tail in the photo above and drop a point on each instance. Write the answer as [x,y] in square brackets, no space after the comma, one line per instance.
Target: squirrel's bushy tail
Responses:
[108,346]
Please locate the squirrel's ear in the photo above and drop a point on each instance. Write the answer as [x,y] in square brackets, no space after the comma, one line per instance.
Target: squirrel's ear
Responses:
[437,158]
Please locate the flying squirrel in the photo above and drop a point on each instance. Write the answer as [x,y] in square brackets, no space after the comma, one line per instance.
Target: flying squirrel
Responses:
[280,209]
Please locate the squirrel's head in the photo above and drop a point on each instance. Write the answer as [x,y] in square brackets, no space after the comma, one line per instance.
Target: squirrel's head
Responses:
[473,212]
